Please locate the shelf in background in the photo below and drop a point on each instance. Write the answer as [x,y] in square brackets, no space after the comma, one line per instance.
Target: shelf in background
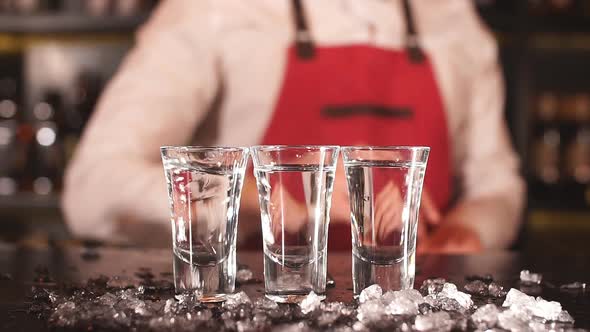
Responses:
[500,21]
[558,23]
[27,201]
[565,128]
[69,23]
[565,195]
[557,218]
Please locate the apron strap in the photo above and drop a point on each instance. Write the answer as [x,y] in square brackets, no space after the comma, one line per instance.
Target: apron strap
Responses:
[303,41]
[306,49]
[412,44]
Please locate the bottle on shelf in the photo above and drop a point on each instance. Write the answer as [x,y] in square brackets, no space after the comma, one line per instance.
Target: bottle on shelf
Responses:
[98,7]
[26,6]
[552,7]
[11,148]
[87,89]
[577,161]
[575,108]
[128,7]
[546,157]
[547,107]
[29,7]
[46,155]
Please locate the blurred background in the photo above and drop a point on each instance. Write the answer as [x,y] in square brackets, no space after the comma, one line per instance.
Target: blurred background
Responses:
[56,56]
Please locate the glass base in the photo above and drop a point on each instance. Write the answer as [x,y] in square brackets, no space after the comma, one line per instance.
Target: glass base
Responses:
[290,298]
[213,298]
[394,275]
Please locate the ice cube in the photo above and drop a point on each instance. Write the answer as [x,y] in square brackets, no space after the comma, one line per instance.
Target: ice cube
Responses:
[260,319]
[370,293]
[371,310]
[432,286]
[565,317]
[243,276]
[337,307]
[496,290]
[411,294]
[342,328]
[327,318]
[403,302]
[310,303]
[64,314]
[486,316]
[402,306]
[516,297]
[170,306]
[439,321]
[245,325]
[232,301]
[51,296]
[548,310]
[66,307]
[265,304]
[574,287]
[460,321]
[203,315]
[128,294]
[449,299]
[476,287]
[359,327]
[159,323]
[528,277]
[229,323]
[450,290]
[526,306]
[332,306]
[108,299]
[187,300]
[408,294]
[425,308]
[139,307]
[430,300]
[513,321]
[450,304]
[388,297]
[292,327]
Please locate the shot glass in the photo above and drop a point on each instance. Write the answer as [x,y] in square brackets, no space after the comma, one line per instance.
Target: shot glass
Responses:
[204,188]
[385,189]
[295,189]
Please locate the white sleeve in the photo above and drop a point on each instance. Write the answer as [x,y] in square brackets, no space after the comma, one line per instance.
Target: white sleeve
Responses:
[160,94]
[492,189]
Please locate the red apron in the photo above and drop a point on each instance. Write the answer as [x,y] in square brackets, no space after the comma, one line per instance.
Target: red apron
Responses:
[362,95]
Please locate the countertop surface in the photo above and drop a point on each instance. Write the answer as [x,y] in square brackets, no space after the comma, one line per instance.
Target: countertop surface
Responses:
[70,264]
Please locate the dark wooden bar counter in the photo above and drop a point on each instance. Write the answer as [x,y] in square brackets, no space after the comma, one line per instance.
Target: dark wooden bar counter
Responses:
[66,263]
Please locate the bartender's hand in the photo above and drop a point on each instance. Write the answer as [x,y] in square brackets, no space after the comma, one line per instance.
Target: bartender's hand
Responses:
[436,235]
[340,210]
[429,216]
[451,238]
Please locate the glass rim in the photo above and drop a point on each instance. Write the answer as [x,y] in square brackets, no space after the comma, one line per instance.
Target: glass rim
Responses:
[284,147]
[197,148]
[385,148]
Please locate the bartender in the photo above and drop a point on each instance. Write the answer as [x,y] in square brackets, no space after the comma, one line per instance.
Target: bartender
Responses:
[348,72]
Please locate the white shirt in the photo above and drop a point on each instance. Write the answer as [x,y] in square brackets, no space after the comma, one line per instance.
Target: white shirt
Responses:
[210,71]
